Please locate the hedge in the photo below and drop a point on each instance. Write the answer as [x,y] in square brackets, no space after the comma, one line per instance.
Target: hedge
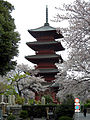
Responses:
[87,105]
[64,110]
[38,111]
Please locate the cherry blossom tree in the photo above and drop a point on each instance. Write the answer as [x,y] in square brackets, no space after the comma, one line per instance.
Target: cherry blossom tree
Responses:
[24,82]
[77,37]
[73,83]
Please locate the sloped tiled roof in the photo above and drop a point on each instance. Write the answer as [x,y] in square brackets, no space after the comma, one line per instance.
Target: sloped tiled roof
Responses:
[48,70]
[45,30]
[38,45]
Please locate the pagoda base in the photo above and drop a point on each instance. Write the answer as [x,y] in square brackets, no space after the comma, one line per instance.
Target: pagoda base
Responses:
[52,93]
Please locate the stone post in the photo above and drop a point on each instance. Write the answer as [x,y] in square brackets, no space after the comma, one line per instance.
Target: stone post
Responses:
[13,99]
[2,98]
[9,100]
[43,101]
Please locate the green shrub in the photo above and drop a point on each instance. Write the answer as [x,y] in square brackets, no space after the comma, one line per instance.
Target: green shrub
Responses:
[48,99]
[88,101]
[11,117]
[31,101]
[65,118]
[37,111]
[20,100]
[24,114]
[69,100]
[87,105]
[64,110]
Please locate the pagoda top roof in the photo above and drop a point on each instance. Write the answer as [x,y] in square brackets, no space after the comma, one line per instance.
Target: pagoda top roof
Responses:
[44,31]
[44,28]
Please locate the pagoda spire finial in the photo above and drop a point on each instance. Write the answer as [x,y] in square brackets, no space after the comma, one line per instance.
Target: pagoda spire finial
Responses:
[46,24]
[46,14]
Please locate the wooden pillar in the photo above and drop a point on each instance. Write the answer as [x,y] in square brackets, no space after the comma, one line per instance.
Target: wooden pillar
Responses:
[37,97]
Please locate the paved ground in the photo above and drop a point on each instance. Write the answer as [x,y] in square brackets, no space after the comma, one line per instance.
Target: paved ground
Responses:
[80,116]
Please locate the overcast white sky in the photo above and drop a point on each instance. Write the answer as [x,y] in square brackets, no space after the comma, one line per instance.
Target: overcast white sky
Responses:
[29,14]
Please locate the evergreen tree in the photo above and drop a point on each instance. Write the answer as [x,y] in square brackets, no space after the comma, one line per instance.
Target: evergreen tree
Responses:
[9,38]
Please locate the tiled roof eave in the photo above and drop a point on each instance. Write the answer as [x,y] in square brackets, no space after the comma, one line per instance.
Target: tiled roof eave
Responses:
[50,70]
[42,56]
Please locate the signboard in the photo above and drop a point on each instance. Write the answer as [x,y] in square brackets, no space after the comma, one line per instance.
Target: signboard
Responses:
[77,100]
[77,105]
[77,111]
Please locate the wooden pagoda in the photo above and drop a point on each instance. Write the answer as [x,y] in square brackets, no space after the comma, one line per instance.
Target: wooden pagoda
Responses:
[45,48]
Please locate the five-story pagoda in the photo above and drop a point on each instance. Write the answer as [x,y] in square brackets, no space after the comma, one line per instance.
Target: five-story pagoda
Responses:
[45,48]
